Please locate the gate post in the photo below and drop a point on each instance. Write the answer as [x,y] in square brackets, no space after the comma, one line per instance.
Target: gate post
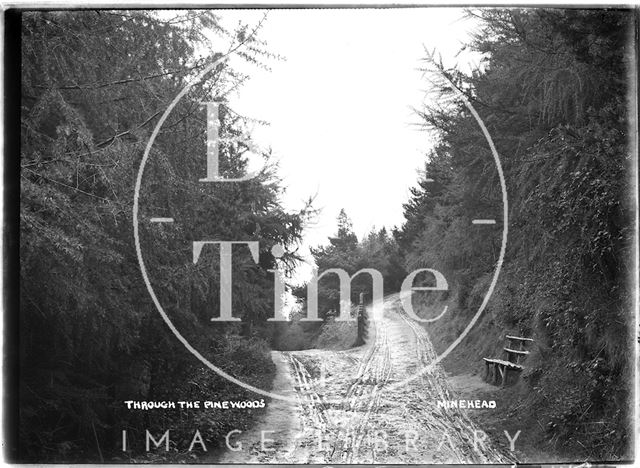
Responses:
[363,322]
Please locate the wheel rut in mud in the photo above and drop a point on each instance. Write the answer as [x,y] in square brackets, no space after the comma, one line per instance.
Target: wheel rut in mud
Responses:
[368,405]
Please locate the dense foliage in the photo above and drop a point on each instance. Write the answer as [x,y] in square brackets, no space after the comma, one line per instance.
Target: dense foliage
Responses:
[94,85]
[378,251]
[552,91]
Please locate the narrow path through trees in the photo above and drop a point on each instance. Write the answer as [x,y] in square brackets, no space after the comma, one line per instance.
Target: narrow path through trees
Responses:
[348,412]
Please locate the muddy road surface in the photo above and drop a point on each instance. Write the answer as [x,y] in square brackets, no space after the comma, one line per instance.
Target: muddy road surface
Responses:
[357,406]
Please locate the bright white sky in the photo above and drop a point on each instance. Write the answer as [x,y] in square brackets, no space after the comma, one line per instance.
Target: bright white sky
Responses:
[340,106]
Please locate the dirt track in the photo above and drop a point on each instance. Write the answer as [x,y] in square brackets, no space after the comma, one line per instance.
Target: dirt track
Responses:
[349,408]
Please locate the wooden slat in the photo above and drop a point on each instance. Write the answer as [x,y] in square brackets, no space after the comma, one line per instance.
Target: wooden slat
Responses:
[504,363]
[515,351]
[519,338]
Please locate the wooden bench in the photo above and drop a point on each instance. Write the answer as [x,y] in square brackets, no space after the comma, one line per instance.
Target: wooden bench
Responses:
[519,338]
[498,370]
[514,355]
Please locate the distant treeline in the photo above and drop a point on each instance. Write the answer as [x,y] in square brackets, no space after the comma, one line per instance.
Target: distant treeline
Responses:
[378,250]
